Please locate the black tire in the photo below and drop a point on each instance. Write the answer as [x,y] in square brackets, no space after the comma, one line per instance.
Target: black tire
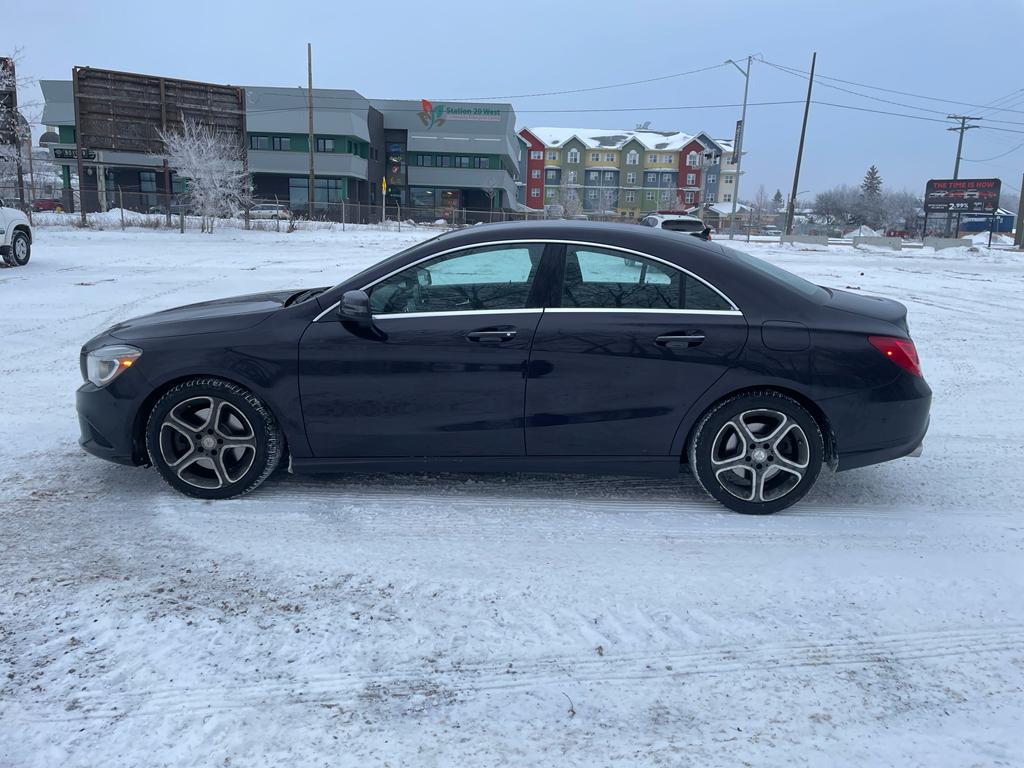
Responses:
[213,439]
[21,250]
[757,452]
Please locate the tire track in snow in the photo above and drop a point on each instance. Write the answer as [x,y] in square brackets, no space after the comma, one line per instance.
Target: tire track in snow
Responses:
[467,679]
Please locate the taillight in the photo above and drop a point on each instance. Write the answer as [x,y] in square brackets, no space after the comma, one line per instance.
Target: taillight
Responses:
[900,351]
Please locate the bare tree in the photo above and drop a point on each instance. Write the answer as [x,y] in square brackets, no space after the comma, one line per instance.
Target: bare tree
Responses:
[211,163]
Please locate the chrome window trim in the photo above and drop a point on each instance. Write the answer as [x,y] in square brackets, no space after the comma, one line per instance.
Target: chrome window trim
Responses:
[553,241]
[456,313]
[627,310]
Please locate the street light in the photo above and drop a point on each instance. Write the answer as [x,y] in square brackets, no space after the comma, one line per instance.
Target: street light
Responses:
[738,148]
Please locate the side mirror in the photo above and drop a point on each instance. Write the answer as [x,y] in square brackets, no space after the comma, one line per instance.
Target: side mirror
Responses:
[355,308]
[354,313]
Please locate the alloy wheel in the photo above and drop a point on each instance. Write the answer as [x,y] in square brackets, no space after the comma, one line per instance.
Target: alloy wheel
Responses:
[760,455]
[207,442]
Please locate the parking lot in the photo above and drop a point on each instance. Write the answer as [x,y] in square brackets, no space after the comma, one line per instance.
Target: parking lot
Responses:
[504,620]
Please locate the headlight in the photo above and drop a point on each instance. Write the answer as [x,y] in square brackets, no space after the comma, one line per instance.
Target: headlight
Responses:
[105,364]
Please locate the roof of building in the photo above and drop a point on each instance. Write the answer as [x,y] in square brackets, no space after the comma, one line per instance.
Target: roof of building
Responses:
[603,138]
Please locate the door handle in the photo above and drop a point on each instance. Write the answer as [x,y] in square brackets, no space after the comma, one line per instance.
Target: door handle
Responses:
[490,337]
[680,340]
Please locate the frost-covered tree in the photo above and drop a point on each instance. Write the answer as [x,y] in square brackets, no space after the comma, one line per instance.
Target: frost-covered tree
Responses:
[15,131]
[211,164]
[836,205]
[570,199]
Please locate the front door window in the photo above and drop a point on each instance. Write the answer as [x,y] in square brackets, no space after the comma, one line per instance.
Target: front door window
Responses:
[473,280]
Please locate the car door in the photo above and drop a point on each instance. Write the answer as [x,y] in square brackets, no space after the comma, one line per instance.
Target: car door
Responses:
[633,342]
[445,373]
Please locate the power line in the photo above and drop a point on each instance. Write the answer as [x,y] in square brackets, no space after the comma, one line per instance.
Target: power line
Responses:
[996,157]
[891,90]
[554,111]
[591,88]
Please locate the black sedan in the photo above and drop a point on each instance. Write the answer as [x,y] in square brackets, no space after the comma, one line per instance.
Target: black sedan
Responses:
[550,346]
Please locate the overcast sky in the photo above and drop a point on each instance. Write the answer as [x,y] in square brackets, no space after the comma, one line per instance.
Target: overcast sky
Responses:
[963,52]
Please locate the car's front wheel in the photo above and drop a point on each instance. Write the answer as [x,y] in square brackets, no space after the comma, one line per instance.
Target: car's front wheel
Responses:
[757,452]
[20,251]
[212,439]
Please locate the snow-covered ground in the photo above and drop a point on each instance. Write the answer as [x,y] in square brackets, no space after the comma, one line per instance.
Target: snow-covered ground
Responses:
[523,620]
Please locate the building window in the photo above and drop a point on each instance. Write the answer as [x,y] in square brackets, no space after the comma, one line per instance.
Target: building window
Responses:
[325,191]
[652,158]
[592,194]
[281,143]
[650,178]
[691,179]
[631,196]
[709,197]
[552,174]
[462,161]
[631,177]
[550,192]
[726,198]
[728,179]
[445,161]
[259,142]
[712,178]
[595,156]
[609,176]
[325,145]
[572,177]
[535,192]
[666,158]
[609,157]
[482,162]
[592,177]
[632,157]
[688,198]
[693,160]
[553,155]
[536,154]
[649,195]
[666,178]
[535,173]
[572,157]
[665,194]
[425,160]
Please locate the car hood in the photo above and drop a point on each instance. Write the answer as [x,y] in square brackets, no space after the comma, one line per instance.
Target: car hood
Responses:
[231,314]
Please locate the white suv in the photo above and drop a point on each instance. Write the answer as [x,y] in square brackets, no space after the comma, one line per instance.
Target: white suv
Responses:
[15,236]
[678,222]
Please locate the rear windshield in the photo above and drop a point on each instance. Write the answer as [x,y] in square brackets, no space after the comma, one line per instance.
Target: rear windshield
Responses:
[778,274]
[682,225]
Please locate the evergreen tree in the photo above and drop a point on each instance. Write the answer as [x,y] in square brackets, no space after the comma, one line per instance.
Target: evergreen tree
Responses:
[777,201]
[872,184]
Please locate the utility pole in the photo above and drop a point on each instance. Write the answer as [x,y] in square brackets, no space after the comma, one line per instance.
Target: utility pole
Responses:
[800,150]
[1018,237]
[312,139]
[738,144]
[960,142]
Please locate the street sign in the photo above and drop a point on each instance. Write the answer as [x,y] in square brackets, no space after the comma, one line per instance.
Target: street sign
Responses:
[738,140]
[962,196]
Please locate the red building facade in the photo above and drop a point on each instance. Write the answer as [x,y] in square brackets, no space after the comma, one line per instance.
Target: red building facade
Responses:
[534,170]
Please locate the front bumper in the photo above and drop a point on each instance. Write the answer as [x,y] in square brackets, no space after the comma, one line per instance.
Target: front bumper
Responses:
[106,419]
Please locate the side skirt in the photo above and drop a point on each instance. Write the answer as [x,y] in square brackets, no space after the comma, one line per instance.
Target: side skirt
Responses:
[660,466]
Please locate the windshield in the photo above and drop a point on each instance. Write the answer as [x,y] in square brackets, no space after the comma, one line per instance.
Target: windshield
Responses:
[401,253]
[683,225]
[778,274]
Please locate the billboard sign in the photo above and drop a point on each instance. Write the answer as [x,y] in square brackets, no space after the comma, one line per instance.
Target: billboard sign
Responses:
[126,111]
[962,196]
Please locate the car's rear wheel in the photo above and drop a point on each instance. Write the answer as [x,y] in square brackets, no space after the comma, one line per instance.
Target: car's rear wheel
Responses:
[20,251]
[757,452]
[212,439]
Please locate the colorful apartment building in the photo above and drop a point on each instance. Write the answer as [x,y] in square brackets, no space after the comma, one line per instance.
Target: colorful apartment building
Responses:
[622,172]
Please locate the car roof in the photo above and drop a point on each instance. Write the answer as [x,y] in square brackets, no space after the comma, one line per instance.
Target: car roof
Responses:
[633,236]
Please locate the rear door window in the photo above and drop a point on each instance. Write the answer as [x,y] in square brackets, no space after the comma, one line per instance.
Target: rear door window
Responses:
[599,279]
[682,225]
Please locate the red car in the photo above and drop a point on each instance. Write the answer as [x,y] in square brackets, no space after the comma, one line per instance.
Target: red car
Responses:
[47,204]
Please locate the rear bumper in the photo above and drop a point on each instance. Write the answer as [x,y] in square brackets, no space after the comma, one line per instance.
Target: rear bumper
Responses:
[880,424]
